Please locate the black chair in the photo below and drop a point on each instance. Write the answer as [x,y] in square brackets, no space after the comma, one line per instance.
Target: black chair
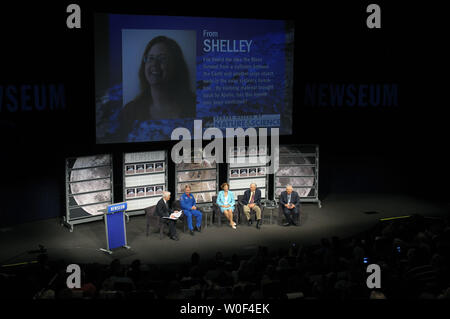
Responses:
[297,217]
[215,209]
[154,221]
[252,212]
[217,214]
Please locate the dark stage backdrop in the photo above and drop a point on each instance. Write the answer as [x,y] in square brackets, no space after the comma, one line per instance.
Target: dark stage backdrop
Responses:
[393,144]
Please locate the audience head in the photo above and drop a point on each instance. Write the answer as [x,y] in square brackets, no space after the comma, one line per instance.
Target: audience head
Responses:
[377,295]
[195,258]
[48,294]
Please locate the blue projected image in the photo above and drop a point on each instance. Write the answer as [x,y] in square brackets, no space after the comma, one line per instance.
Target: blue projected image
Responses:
[154,74]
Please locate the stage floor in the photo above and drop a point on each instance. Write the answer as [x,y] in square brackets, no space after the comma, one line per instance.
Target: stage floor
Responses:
[341,215]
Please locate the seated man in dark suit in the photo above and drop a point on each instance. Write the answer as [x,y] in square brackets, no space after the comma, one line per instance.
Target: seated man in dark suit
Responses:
[162,210]
[252,200]
[289,199]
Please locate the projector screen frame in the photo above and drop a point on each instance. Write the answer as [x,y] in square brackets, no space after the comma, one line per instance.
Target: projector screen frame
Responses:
[67,220]
[216,182]
[257,165]
[315,165]
[141,211]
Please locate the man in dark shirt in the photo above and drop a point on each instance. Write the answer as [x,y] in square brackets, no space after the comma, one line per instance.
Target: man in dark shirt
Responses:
[162,210]
[252,201]
[289,200]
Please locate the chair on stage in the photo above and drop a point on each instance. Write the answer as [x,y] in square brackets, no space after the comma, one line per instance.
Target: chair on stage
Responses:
[218,216]
[153,220]
[242,215]
[297,217]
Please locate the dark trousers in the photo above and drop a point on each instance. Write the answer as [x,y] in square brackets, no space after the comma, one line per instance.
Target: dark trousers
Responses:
[289,214]
[172,226]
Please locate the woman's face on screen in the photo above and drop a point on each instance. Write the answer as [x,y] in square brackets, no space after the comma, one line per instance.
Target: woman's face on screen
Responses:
[157,64]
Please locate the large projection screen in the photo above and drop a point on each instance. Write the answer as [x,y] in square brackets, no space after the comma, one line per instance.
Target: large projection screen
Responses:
[145,179]
[156,73]
[89,184]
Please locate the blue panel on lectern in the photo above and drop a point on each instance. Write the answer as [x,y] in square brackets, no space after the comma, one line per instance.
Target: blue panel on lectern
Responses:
[117,207]
[116,230]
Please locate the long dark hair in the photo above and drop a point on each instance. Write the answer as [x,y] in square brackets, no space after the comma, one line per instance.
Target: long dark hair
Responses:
[179,83]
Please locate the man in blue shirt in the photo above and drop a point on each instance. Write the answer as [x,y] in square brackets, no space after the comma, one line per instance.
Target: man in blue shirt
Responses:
[187,202]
